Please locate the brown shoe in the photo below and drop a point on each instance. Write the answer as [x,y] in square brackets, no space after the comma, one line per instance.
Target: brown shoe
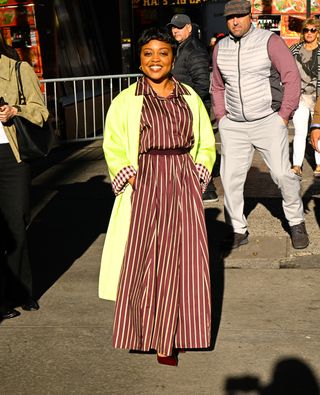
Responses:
[297,170]
[299,236]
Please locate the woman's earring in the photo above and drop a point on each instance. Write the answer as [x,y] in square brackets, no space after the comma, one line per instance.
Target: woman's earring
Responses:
[140,68]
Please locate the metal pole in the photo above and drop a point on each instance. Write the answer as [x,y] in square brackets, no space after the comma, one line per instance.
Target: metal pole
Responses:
[308,8]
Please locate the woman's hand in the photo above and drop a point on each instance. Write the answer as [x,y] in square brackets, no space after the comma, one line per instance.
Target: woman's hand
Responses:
[132,181]
[7,112]
[315,139]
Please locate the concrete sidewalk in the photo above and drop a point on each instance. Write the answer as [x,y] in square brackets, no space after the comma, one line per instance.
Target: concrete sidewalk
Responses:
[266,322]
[270,244]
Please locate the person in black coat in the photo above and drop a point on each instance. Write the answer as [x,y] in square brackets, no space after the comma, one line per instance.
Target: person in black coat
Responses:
[191,66]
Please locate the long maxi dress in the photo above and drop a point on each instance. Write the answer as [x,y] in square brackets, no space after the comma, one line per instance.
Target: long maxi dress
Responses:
[163,300]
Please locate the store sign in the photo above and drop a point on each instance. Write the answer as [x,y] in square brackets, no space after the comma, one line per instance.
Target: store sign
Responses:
[15,2]
[284,6]
[151,3]
[13,16]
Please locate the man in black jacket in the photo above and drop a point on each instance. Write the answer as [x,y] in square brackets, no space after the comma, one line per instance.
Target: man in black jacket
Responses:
[191,66]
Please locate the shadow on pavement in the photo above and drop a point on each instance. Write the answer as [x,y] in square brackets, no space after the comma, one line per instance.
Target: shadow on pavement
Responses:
[217,233]
[313,193]
[309,154]
[66,227]
[260,188]
[273,205]
[57,156]
[291,376]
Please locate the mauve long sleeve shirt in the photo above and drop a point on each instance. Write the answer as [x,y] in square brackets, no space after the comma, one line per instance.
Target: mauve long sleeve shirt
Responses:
[284,63]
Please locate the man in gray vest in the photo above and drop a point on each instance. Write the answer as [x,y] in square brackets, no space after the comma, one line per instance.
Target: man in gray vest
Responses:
[255,90]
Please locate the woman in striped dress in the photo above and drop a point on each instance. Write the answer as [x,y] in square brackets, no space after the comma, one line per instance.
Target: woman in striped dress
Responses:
[160,148]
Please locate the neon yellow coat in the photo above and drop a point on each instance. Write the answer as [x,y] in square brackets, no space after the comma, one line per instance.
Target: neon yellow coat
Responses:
[121,148]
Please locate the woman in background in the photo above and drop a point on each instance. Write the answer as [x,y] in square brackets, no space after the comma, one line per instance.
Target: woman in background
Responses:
[15,270]
[307,55]
[160,151]
[315,127]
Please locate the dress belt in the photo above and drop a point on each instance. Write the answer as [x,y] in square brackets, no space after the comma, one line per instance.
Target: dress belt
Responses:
[173,151]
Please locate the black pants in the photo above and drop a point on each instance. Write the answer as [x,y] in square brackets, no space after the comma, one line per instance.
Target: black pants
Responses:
[15,270]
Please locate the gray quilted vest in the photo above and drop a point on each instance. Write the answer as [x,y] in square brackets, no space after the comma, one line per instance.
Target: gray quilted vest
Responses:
[249,76]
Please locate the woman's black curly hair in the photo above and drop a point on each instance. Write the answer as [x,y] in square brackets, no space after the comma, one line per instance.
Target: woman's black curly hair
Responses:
[6,50]
[157,33]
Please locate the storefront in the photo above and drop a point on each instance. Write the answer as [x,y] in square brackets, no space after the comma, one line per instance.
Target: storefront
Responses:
[19,28]
[207,14]
[88,37]
[284,17]
[64,38]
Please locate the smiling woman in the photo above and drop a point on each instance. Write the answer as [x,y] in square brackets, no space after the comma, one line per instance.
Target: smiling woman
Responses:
[155,260]
[156,58]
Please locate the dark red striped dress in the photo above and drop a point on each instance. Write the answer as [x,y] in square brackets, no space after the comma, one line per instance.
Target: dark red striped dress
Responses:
[163,299]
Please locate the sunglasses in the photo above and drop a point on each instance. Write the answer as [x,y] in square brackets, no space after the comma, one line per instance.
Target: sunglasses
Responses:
[312,30]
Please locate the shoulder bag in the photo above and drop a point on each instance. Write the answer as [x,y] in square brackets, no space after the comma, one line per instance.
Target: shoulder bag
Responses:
[34,141]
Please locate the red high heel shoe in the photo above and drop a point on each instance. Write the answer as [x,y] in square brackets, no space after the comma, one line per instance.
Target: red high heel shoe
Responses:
[171,360]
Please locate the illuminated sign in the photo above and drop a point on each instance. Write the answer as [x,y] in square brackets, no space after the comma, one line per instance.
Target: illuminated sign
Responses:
[284,6]
[152,3]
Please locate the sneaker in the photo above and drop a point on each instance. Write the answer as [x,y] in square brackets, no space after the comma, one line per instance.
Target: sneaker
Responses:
[236,240]
[210,195]
[297,170]
[299,236]
[316,173]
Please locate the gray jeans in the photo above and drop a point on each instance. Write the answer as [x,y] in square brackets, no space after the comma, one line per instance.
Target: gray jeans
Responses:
[269,136]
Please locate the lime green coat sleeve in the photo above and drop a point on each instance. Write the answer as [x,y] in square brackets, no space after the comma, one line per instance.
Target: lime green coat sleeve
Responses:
[121,148]
[121,134]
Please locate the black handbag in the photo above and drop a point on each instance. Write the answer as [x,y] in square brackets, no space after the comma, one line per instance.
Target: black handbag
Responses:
[35,142]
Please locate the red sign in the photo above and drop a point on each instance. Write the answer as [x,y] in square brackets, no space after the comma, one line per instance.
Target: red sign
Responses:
[13,16]
[14,2]
[284,6]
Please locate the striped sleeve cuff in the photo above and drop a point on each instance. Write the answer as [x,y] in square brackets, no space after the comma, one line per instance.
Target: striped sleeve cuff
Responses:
[120,181]
[204,176]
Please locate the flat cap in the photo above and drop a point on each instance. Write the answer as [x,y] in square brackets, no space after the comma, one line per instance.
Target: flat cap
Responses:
[179,21]
[237,7]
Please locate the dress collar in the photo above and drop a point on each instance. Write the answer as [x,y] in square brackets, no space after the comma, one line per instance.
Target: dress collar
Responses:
[144,88]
